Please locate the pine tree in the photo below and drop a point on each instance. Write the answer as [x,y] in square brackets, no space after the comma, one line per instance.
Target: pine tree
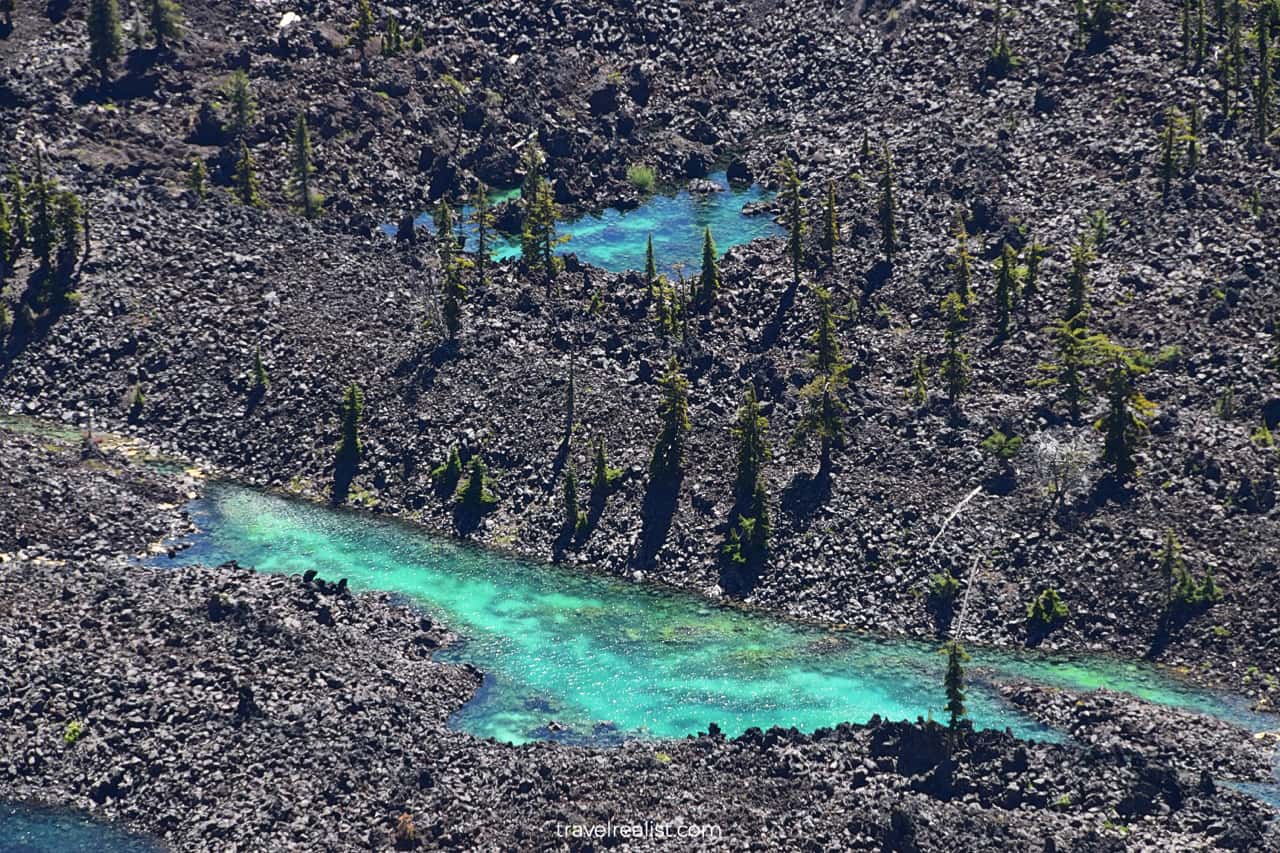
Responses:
[241,105]
[106,42]
[166,21]
[7,251]
[1035,254]
[1202,39]
[260,380]
[962,267]
[476,494]
[823,415]
[826,358]
[1078,352]
[602,476]
[575,520]
[43,236]
[362,31]
[1001,59]
[888,208]
[1186,31]
[483,219]
[1262,90]
[1006,290]
[793,214]
[830,225]
[21,221]
[953,683]
[303,192]
[1078,281]
[197,177]
[753,449]
[955,360]
[392,41]
[1175,133]
[246,178]
[538,236]
[650,271]
[709,279]
[668,451]
[68,214]
[350,446]
[1124,423]
[454,290]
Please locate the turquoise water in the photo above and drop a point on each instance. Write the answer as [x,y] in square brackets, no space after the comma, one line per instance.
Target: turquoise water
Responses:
[615,240]
[577,657]
[24,829]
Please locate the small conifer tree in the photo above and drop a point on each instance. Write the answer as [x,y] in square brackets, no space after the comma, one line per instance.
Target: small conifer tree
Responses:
[668,451]
[476,494]
[650,271]
[709,279]
[1077,353]
[953,684]
[1078,282]
[955,360]
[602,476]
[483,219]
[21,221]
[303,191]
[830,225]
[197,178]
[1125,421]
[888,208]
[242,107]
[575,519]
[41,193]
[1006,290]
[793,213]
[166,21]
[246,178]
[106,41]
[362,31]
[260,380]
[7,251]
[962,267]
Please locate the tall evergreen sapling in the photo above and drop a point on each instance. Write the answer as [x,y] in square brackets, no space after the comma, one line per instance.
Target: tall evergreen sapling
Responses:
[1006,290]
[575,519]
[304,193]
[197,177]
[1078,352]
[953,684]
[362,30]
[668,451]
[650,271]
[68,219]
[7,250]
[955,360]
[1078,281]
[41,193]
[830,225]
[888,208]
[483,219]
[166,21]
[241,105]
[246,178]
[106,42]
[709,278]
[1124,423]
[962,266]
[793,214]
[1268,17]
[350,446]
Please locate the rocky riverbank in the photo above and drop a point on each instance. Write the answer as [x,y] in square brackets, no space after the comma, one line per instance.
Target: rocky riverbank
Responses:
[219,709]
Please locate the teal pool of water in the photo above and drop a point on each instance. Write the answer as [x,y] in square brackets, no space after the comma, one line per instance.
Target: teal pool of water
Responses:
[578,657]
[25,829]
[615,240]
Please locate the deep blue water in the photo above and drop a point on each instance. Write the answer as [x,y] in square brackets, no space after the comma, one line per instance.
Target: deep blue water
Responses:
[615,240]
[26,829]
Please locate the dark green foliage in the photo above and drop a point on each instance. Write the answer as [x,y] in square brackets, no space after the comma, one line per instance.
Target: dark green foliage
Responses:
[246,178]
[1002,447]
[792,214]
[747,545]
[1001,59]
[575,519]
[166,21]
[105,39]
[823,415]
[1125,421]
[603,477]
[1047,609]
[919,393]
[197,177]
[350,446]
[641,177]
[260,380]
[1202,39]
[1006,290]
[650,270]
[830,224]
[1078,282]
[962,266]
[1186,31]
[68,214]
[888,207]
[362,27]
[668,451]
[955,360]
[709,279]
[21,221]
[7,243]
[1077,352]
[1035,254]
[943,589]
[484,221]
[1094,19]
[1185,596]
[446,476]
[304,194]
[1263,88]
[538,235]
[137,402]
[476,494]
[826,358]
[242,107]
[953,683]
[1172,138]
[41,194]
[392,39]
[753,448]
